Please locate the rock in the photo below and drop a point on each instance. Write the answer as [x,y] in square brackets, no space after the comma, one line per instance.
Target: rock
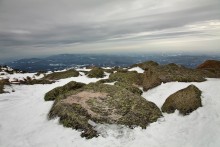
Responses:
[151,80]
[56,92]
[62,75]
[210,64]
[29,81]
[96,72]
[166,73]
[3,82]
[1,88]
[134,89]
[186,101]
[102,103]
[146,65]
[211,68]
[129,77]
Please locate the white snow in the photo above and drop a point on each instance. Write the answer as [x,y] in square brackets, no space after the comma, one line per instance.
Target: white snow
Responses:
[19,76]
[23,121]
[138,69]
[83,69]
[111,83]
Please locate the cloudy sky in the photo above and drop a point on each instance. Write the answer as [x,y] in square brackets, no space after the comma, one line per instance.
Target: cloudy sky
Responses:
[30,28]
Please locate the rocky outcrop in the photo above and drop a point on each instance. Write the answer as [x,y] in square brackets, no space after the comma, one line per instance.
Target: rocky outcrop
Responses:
[62,75]
[96,72]
[186,101]
[146,65]
[102,103]
[154,76]
[128,77]
[211,68]
[209,64]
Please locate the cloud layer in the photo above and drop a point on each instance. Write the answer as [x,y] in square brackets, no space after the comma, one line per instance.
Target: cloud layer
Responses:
[43,27]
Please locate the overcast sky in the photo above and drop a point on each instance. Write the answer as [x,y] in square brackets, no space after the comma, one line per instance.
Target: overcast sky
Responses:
[30,28]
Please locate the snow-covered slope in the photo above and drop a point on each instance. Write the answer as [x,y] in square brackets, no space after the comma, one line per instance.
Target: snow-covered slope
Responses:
[23,121]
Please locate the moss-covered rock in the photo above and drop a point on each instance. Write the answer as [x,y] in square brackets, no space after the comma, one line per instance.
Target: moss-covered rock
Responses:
[185,100]
[56,92]
[103,103]
[96,72]
[133,89]
[166,73]
[62,75]
[129,77]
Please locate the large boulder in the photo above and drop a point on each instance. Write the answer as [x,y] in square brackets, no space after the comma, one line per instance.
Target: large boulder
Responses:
[102,103]
[62,75]
[154,76]
[185,100]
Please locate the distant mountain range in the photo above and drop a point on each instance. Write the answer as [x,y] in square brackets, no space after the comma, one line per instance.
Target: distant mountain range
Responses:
[58,62]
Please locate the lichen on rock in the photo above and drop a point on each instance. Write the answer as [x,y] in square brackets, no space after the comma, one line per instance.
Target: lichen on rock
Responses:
[129,77]
[185,100]
[103,103]
[167,73]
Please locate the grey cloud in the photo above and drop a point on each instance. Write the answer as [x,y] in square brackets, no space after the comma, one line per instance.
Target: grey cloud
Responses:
[48,23]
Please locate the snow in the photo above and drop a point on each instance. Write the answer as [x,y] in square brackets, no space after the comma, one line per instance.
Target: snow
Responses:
[19,76]
[83,69]
[138,69]
[23,120]
[111,83]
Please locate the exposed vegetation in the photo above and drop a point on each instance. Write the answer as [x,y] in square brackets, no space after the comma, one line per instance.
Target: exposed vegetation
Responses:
[62,75]
[96,72]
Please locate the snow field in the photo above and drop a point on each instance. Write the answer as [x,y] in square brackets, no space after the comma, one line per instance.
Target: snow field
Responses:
[23,120]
